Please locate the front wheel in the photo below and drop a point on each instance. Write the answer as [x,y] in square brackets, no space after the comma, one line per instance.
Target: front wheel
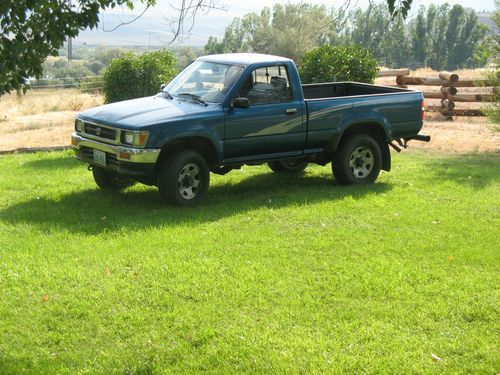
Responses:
[184,178]
[357,161]
[109,181]
[288,166]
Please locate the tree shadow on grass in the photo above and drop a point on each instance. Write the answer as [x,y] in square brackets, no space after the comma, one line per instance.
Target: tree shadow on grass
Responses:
[474,170]
[93,211]
[54,163]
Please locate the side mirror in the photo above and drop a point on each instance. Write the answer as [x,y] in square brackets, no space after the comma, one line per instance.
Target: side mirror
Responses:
[240,103]
[163,85]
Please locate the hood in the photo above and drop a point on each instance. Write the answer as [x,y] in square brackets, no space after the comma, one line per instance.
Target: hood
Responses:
[142,112]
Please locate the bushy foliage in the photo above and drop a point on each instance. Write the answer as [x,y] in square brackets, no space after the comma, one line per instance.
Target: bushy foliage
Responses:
[135,76]
[340,63]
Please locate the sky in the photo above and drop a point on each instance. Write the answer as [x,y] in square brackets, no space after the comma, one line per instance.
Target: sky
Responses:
[154,27]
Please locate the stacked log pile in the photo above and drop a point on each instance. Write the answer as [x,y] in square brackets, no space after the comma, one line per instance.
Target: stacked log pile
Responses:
[448,91]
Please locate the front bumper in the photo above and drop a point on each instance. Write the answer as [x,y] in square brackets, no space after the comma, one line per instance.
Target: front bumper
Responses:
[119,159]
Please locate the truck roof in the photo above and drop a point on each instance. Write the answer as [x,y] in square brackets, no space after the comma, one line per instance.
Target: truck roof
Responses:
[243,58]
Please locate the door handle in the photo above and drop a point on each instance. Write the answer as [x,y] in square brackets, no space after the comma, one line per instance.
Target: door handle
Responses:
[291,111]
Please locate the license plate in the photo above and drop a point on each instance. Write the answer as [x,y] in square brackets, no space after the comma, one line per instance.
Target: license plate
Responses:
[99,157]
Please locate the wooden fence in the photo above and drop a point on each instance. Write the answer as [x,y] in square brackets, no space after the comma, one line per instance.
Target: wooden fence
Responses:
[448,92]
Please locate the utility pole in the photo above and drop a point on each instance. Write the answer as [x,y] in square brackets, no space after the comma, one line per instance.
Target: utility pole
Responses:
[70,49]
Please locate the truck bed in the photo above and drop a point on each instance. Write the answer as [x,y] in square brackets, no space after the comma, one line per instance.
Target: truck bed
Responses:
[330,106]
[343,89]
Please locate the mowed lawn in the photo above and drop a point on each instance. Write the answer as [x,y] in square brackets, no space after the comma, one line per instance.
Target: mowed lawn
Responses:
[272,274]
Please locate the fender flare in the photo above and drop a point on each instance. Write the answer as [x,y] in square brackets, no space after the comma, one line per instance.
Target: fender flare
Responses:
[197,131]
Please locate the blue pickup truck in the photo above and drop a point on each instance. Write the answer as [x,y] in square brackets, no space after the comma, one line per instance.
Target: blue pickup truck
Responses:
[225,111]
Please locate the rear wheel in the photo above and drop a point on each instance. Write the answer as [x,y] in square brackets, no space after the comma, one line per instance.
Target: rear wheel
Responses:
[184,178]
[107,180]
[288,166]
[357,161]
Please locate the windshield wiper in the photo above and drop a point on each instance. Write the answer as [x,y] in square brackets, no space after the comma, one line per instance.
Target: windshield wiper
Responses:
[194,97]
[167,94]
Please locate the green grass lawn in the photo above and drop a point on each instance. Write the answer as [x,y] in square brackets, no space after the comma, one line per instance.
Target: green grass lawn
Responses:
[272,274]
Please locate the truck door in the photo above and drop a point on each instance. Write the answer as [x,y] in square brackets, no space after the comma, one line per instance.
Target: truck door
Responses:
[273,124]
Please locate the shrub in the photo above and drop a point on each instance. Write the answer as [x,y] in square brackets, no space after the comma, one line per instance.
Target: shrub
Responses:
[338,63]
[135,76]
[492,109]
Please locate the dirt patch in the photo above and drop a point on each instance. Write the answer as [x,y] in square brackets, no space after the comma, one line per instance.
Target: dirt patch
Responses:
[459,137]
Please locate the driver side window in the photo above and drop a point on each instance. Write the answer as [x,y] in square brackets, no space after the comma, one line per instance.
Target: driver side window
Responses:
[267,85]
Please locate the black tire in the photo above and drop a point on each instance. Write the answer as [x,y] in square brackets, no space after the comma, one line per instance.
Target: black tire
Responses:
[107,180]
[288,166]
[184,178]
[357,161]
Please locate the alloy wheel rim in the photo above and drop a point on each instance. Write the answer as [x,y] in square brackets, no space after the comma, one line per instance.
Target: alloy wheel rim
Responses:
[361,162]
[189,181]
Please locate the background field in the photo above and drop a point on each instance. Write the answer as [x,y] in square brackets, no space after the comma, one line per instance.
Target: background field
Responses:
[272,274]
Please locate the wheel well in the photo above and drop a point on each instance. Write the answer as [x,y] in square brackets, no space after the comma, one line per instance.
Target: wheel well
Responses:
[377,132]
[373,129]
[200,144]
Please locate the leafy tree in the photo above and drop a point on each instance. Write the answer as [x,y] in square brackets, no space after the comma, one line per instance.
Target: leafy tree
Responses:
[419,37]
[235,38]
[287,30]
[446,37]
[131,76]
[340,63]
[31,30]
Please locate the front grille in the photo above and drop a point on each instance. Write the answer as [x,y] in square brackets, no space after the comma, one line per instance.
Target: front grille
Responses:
[88,154]
[99,131]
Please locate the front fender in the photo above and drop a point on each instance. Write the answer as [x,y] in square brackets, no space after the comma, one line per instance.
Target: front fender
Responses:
[194,131]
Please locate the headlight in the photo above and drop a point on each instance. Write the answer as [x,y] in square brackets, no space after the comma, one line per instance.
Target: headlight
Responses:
[78,125]
[134,138]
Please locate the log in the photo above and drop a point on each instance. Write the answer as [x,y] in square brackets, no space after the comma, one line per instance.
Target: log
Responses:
[423,81]
[470,83]
[463,112]
[447,76]
[471,97]
[430,81]
[448,90]
[393,72]
[433,95]
[447,104]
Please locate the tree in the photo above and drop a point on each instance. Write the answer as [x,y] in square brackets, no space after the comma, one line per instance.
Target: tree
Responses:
[31,30]
[446,38]
[419,37]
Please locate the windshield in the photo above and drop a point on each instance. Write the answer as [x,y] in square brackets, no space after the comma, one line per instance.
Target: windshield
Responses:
[207,80]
